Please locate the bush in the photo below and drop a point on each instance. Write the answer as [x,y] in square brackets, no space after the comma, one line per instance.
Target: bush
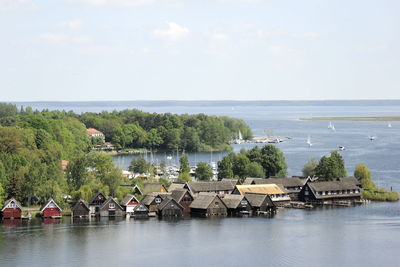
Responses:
[380,194]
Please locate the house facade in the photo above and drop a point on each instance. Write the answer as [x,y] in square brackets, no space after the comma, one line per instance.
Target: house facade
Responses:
[129,203]
[261,203]
[111,208]
[95,203]
[237,205]
[208,205]
[169,207]
[80,209]
[184,198]
[277,193]
[11,209]
[51,210]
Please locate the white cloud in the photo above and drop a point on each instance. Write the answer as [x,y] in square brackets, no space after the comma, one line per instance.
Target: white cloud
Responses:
[54,38]
[306,35]
[16,4]
[173,33]
[74,24]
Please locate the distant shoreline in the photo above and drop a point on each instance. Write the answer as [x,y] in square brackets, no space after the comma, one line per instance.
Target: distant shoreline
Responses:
[379,118]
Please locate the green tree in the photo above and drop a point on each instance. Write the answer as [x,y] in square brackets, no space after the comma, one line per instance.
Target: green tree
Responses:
[330,168]
[225,167]
[273,161]
[240,165]
[184,164]
[184,177]
[113,180]
[203,171]
[309,169]
[139,165]
[77,172]
[254,169]
[2,196]
[363,174]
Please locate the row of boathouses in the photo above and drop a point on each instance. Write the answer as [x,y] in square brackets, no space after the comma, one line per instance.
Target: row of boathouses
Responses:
[214,198]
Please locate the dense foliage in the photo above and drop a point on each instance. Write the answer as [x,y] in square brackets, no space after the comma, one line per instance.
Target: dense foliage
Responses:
[265,162]
[137,129]
[371,192]
[203,171]
[309,168]
[330,168]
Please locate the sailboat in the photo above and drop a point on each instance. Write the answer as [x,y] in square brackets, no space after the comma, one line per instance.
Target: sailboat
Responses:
[309,141]
[333,128]
[372,138]
[330,125]
[389,125]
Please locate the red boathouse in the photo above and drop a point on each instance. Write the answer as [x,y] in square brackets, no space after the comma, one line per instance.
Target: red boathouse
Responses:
[12,209]
[51,210]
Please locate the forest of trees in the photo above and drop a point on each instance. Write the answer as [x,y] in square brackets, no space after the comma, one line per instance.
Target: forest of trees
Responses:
[33,144]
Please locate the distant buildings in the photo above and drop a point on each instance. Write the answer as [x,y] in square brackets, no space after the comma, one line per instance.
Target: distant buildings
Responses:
[94,133]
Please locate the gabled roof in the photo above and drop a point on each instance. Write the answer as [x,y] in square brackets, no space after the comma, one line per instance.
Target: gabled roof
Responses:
[269,189]
[140,206]
[203,201]
[48,203]
[285,181]
[128,199]
[332,186]
[178,194]
[86,205]
[233,181]
[148,198]
[91,131]
[138,189]
[175,186]
[9,201]
[351,180]
[152,187]
[108,200]
[167,201]
[99,193]
[196,187]
[256,200]
[232,201]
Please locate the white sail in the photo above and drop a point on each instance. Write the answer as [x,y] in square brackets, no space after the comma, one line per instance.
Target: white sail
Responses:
[330,125]
[333,128]
[389,125]
[309,141]
[240,136]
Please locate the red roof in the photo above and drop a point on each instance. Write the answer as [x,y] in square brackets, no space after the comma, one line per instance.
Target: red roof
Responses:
[92,131]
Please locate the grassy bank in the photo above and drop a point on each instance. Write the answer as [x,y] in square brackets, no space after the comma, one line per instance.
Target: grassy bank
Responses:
[383,118]
[380,194]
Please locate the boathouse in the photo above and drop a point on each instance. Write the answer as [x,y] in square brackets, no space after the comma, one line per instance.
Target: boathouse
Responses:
[351,180]
[96,202]
[330,192]
[237,205]
[184,198]
[152,200]
[277,193]
[218,187]
[111,208]
[129,203]
[261,203]
[11,209]
[51,210]
[292,185]
[206,205]
[169,207]
[80,209]
[141,211]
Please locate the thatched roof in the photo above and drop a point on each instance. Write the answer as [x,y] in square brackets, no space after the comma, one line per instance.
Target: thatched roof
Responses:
[337,189]
[232,180]
[179,194]
[128,199]
[232,201]
[256,200]
[351,180]
[203,201]
[266,189]
[196,187]
[285,181]
[175,186]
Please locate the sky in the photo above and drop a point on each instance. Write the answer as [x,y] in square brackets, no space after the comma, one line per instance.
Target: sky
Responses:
[83,50]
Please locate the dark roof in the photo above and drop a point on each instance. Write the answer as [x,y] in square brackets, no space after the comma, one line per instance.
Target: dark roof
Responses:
[108,200]
[8,202]
[232,201]
[85,204]
[196,187]
[351,180]
[140,206]
[256,200]
[179,194]
[203,201]
[232,180]
[152,187]
[333,186]
[166,201]
[148,198]
[175,186]
[99,193]
[127,199]
[286,182]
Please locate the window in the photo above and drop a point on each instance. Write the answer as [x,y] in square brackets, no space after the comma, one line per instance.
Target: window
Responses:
[158,200]
[112,205]
[216,203]
[12,205]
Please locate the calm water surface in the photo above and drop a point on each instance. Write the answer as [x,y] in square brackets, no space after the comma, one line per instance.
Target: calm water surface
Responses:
[367,235]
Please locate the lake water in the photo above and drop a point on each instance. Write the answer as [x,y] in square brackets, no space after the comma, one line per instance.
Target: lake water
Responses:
[367,235]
